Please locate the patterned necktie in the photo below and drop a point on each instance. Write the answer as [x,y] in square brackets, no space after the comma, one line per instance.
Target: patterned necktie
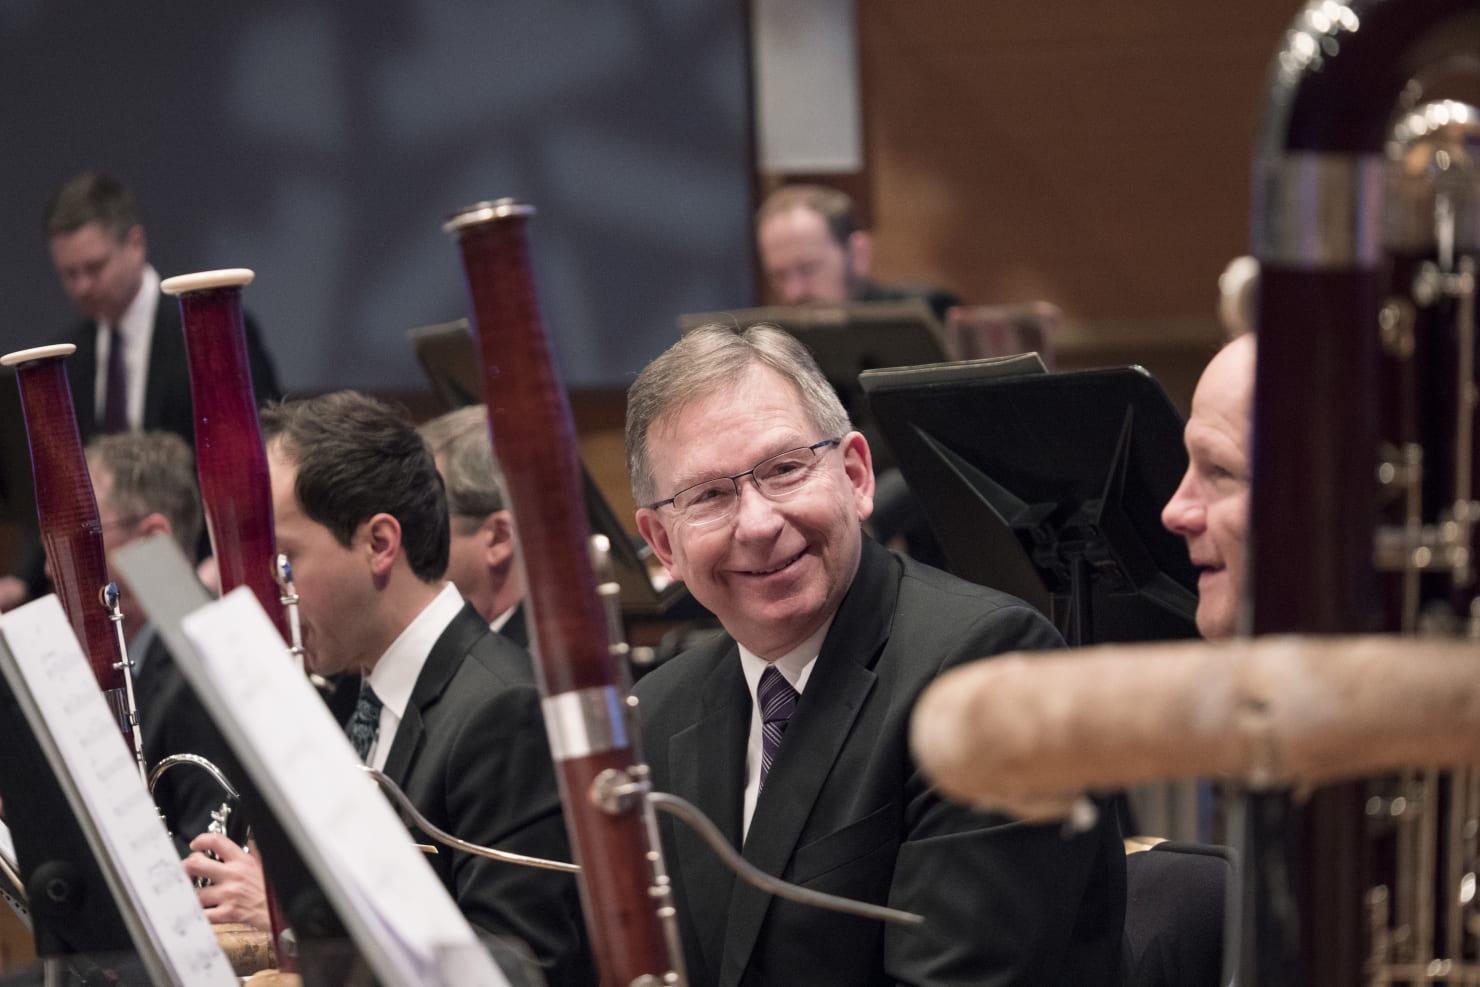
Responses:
[115,396]
[777,700]
[366,722]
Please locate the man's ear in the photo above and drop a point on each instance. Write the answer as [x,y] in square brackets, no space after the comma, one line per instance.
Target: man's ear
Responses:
[498,538]
[858,462]
[381,535]
[650,525]
[860,253]
[154,524]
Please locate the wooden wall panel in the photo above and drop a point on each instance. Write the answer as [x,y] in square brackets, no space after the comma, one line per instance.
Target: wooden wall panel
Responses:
[1095,155]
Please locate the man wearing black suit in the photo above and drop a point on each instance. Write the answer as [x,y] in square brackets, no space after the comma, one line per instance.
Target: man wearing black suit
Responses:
[130,369]
[483,557]
[144,484]
[791,730]
[448,709]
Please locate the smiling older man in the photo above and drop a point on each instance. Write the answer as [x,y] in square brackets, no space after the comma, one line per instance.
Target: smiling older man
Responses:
[790,731]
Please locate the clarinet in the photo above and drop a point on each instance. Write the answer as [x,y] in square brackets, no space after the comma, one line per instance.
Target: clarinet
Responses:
[624,890]
[71,532]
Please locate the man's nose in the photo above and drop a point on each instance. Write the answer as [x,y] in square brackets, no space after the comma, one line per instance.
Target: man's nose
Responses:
[755,513]
[1184,514]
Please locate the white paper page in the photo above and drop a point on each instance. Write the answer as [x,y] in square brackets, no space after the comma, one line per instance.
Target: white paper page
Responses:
[54,676]
[12,871]
[7,846]
[304,761]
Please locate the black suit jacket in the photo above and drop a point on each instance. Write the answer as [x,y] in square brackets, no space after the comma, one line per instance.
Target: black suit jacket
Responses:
[845,810]
[171,721]
[515,628]
[472,755]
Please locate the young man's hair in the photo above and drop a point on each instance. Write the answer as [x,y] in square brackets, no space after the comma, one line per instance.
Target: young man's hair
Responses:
[92,198]
[358,457]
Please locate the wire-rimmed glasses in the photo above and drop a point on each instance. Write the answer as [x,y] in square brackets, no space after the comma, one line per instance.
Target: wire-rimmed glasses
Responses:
[777,478]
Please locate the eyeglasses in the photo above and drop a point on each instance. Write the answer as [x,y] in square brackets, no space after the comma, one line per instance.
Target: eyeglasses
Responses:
[777,478]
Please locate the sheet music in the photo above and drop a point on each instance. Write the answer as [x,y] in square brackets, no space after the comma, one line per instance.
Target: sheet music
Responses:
[301,761]
[10,883]
[66,710]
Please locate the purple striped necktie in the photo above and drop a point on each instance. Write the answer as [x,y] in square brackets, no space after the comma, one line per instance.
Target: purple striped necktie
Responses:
[115,395]
[777,700]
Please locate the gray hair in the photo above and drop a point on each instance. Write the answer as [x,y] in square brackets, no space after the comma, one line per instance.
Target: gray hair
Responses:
[475,481]
[712,357]
[151,473]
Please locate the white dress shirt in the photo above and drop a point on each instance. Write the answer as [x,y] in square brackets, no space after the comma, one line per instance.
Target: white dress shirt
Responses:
[796,667]
[395,675]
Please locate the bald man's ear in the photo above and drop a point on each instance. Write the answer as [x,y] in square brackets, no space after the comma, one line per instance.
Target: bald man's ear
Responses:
[860,253]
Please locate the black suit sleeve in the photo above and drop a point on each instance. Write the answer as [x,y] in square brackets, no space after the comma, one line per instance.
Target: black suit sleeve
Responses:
[1002,899]
[501,792]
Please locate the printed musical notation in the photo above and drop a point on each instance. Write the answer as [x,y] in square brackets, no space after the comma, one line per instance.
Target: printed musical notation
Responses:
[41,658]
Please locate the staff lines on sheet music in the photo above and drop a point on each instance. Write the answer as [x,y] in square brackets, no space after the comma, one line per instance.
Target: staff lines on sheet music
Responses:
[57,678]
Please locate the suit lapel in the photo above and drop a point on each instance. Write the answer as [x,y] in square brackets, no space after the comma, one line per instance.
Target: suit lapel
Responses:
[840,682]
[707,767]
[441,665]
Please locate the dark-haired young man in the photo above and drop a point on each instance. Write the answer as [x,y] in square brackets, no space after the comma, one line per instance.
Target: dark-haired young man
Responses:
[448,710]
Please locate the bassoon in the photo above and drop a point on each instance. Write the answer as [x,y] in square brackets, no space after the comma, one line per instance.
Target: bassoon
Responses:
[624,890]
[231,462]
[71,531]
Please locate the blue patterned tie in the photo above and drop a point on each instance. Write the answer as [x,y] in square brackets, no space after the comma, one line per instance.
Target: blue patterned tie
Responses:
[366,722]
[777,700]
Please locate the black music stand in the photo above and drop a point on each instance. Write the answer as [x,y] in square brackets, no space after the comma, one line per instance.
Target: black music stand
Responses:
[1050,486]
[449,357]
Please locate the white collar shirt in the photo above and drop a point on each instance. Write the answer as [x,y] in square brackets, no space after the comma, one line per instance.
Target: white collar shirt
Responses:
[394,676]
[796,666]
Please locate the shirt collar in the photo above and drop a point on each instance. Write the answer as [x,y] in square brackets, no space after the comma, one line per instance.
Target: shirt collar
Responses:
[796,665]
[137,322]
[395,674]
[497,623]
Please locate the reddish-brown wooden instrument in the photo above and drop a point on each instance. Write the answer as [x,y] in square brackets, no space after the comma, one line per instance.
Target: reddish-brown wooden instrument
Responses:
[67,512]
[230,460]
[582,685]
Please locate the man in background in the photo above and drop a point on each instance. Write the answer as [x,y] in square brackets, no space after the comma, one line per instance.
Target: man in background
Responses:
[145,484]
[1211,506]
[483,558]
[813,250]
[130,370]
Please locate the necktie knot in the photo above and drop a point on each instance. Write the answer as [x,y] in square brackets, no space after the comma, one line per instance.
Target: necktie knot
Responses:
[365,724]
[777,700]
